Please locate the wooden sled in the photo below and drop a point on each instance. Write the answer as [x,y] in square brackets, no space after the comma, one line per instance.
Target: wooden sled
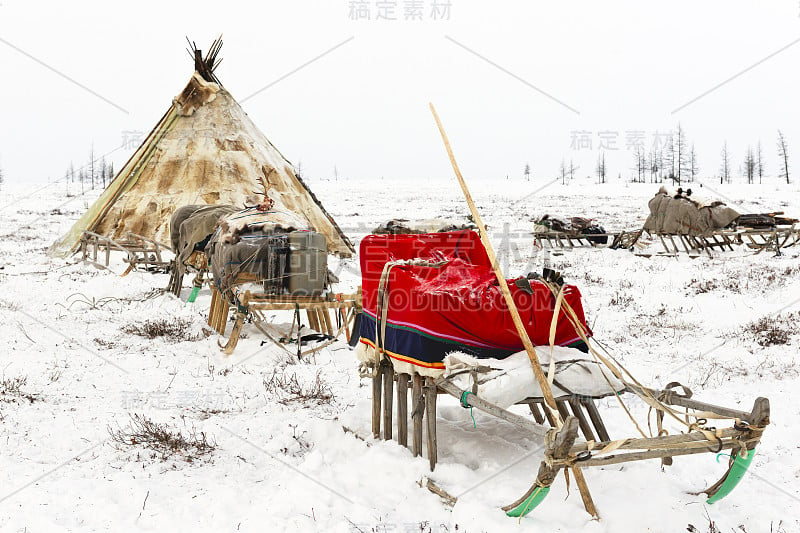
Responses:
[759,240]
[141,253]
[564,449]
[252,305]
[563,240]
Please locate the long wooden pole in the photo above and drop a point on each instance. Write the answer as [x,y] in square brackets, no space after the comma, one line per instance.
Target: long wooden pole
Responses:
[547,393]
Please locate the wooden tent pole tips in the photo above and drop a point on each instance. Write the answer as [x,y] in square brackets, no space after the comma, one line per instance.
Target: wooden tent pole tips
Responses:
[523,334]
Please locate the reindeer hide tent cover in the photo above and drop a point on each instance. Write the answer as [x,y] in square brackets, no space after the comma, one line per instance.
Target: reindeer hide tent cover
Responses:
[204,150]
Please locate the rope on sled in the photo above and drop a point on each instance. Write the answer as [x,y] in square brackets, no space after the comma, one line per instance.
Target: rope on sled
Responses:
[632,383]
[383,300]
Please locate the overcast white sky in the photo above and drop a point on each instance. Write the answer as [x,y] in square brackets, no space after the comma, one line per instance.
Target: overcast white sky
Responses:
[621,66]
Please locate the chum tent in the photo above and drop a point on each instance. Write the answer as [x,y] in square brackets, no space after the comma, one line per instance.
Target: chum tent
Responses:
[204,150]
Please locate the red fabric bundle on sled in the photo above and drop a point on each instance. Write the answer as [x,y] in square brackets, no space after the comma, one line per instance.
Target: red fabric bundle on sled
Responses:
[455,305]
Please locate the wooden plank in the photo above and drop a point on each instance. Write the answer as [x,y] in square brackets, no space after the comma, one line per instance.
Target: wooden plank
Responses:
[312,319]
[695,439]
[388,395]
[376,402]
[430,417]
[680,401]
[583,488]
[684,241]
[651,454]
[548,414]
[402,409]
[344,320]
[288,306]
[583,423]
[418,407]
[562,408]
[233,340]
[326,318]
[222,316]
[211,308]
[674,246]
[214,315]
[597,420]
[479,403]
[537,415]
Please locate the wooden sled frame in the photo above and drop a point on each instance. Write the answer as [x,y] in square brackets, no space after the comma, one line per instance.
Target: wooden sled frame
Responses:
[580,414]
[726,240]
[140,251]
[253,305]
[563,240]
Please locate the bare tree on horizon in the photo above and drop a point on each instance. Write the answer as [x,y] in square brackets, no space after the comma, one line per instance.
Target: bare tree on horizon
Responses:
[783,153]
[725,170]
[601,167]
[750,165]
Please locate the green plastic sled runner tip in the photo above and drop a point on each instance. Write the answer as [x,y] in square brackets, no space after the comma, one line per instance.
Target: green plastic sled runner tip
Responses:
[733,477]
[529,503]
[193,295]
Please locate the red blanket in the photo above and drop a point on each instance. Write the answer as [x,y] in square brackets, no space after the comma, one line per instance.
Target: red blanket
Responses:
[455,306]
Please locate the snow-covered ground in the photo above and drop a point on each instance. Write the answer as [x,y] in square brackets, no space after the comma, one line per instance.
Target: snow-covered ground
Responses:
[74,370]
